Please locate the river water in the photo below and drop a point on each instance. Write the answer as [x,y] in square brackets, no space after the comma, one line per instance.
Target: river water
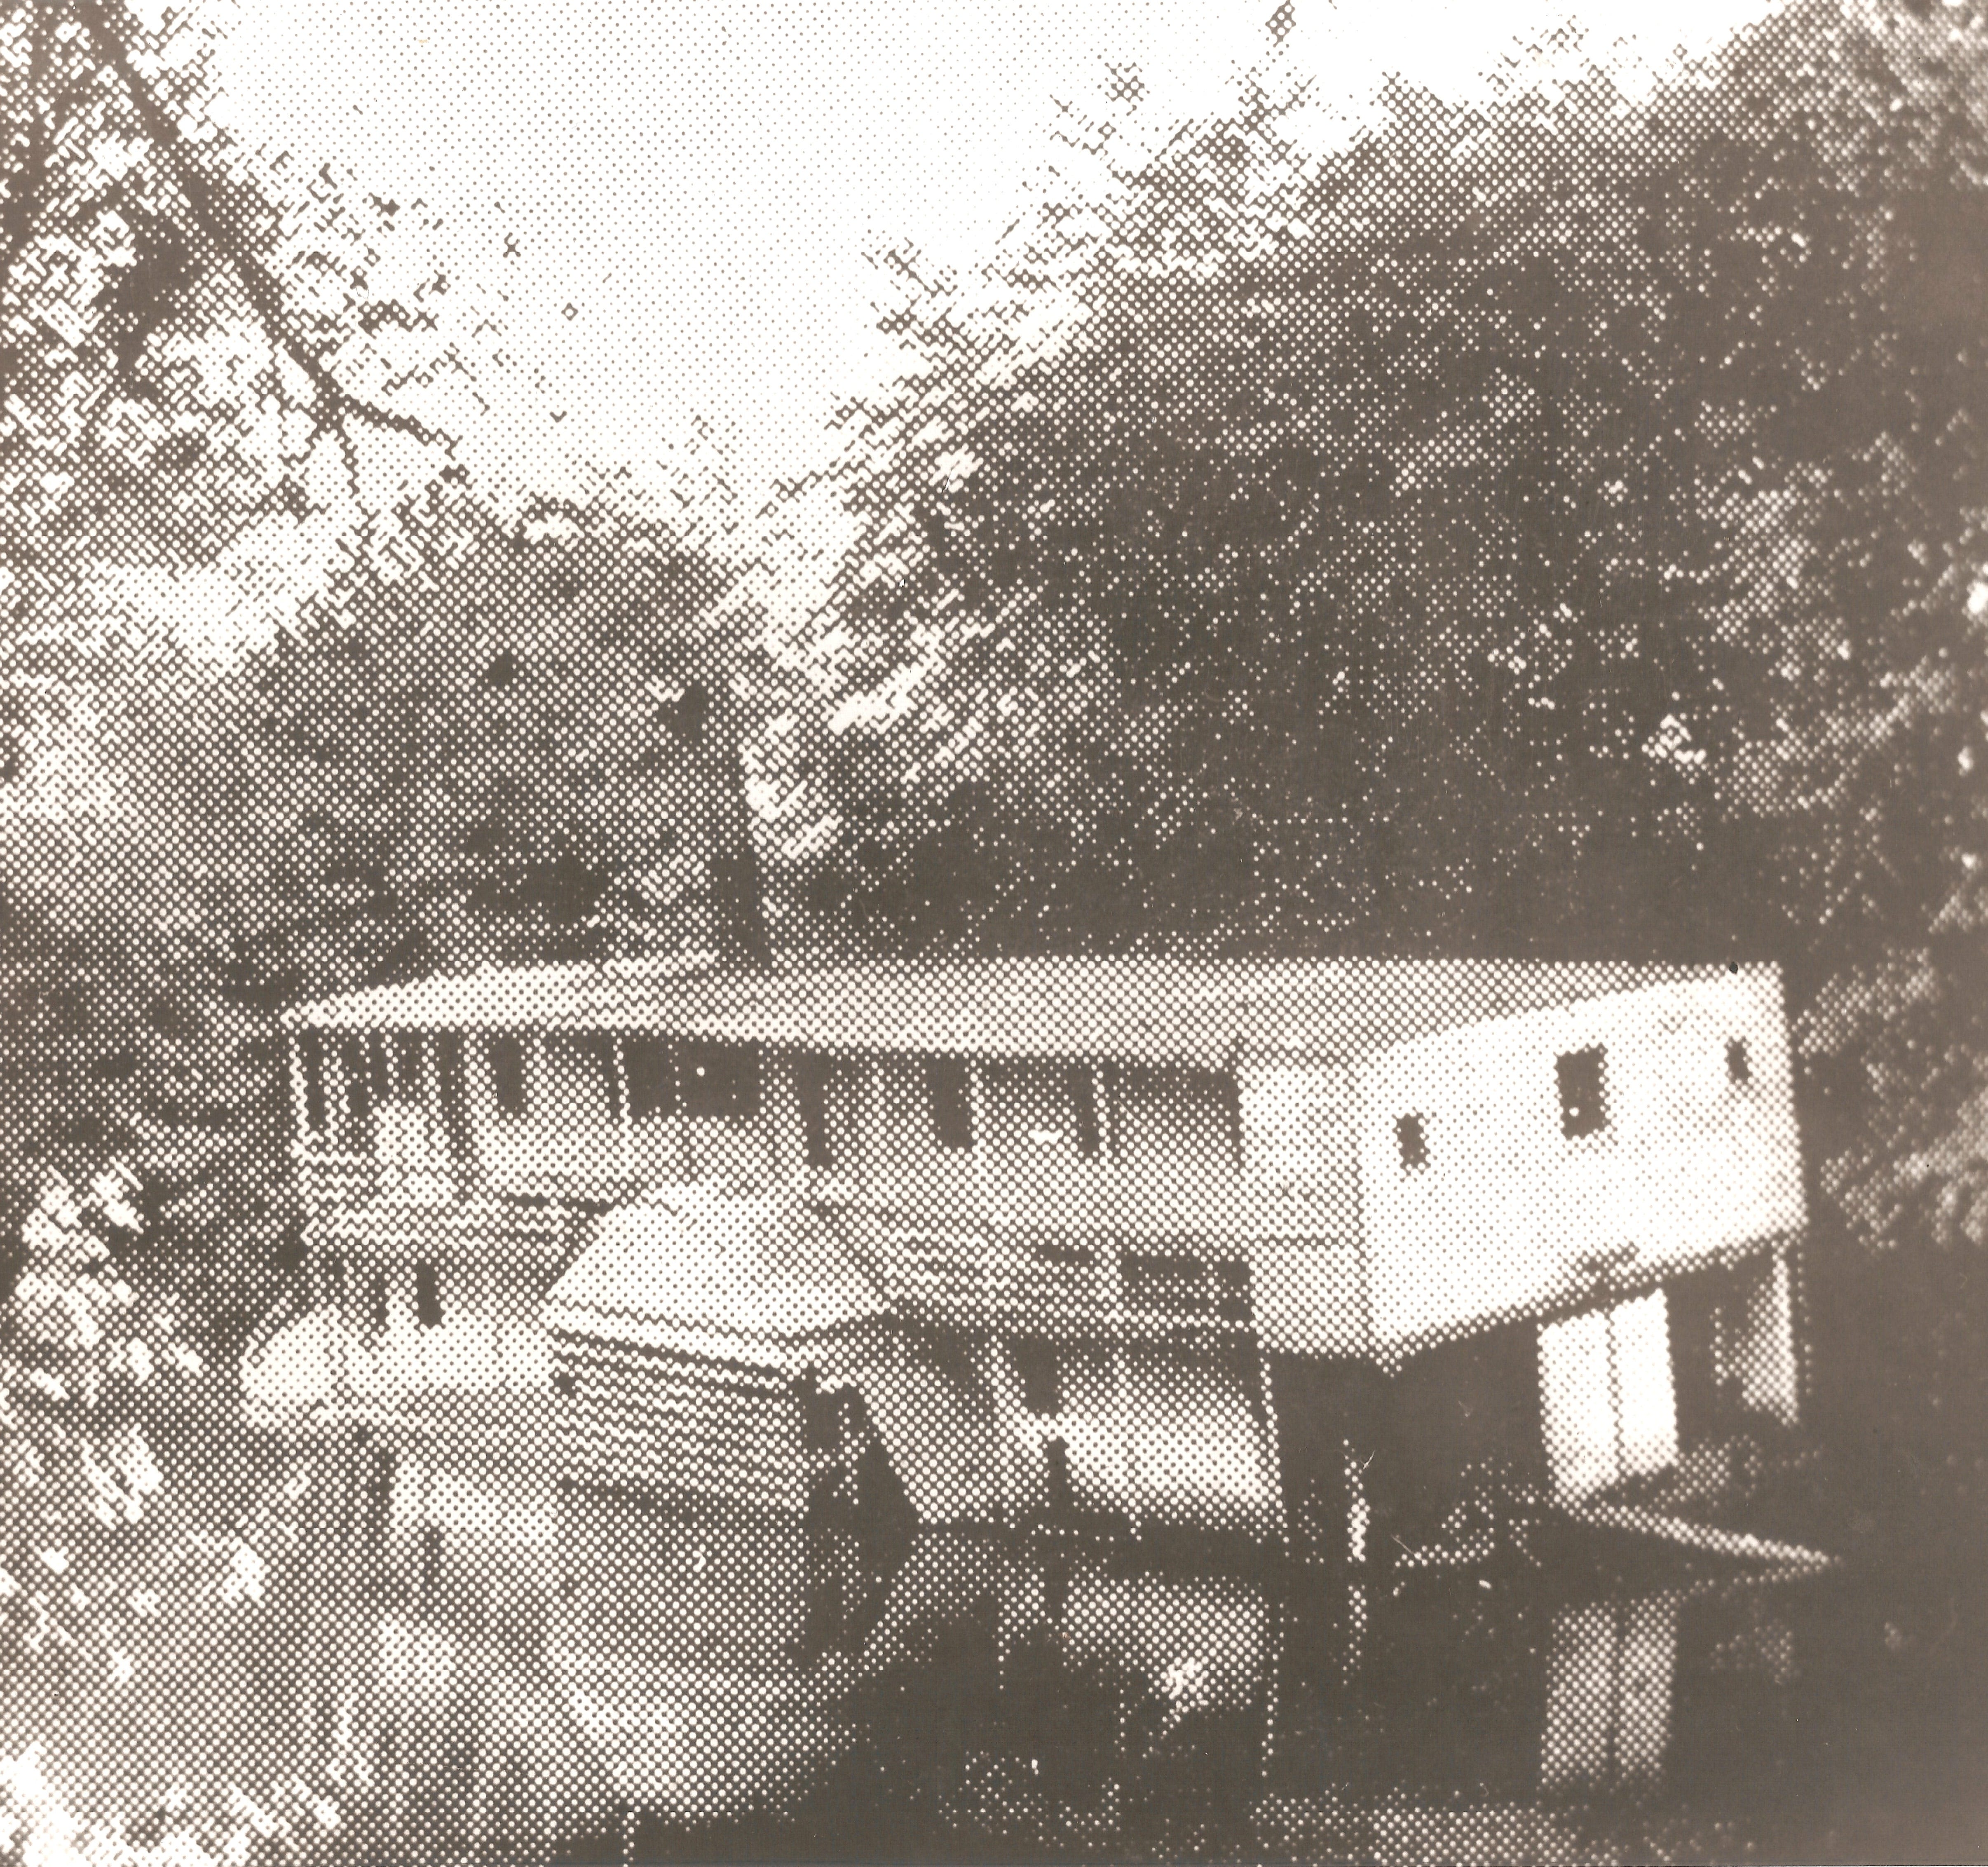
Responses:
[503,1666]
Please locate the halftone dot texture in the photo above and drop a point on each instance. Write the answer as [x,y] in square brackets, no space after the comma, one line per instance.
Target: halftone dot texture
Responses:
[1132,1122]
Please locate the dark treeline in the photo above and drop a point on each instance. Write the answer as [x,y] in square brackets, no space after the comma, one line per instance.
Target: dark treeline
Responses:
[1548,527]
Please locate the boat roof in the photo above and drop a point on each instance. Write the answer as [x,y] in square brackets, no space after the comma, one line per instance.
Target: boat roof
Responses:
[1162,1011]
[705,1272]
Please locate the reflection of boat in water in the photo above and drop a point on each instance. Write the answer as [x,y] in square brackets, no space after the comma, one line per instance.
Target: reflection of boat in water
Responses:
[520,1667]
[486,1640]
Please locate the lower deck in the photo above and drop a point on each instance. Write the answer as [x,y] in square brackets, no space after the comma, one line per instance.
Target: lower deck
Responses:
[1147,1402]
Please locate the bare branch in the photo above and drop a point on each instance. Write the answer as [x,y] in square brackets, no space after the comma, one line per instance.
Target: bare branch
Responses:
[30,176]
[264,293]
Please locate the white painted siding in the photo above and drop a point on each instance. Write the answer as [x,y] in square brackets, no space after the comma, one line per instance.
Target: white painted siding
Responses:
[1508,1216]
[1608,1406]
[1154,1433]
[1300,1151]
[568,1129]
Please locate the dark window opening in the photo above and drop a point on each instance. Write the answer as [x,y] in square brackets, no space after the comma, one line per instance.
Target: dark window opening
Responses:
[453,1091]
[378,1305]
[814,1077]
[651,1064]
[427,1296]
[1223,1087]
[507,1054]
[1061,1499]
[564,1382]
[1083,1103]
[1232,1290]
[408,1065]
[1583,1103]
[598,1048]
[1739,1065]
[721,1081]
[310,1053]
[1412,1140]
[358,1056]
[1177,1285]
[950,1082]
[1035,1363]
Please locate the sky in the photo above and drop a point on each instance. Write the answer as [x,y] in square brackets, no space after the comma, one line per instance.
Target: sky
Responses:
[662,216]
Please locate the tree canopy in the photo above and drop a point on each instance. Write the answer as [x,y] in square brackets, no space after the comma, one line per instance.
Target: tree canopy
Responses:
[1552,525]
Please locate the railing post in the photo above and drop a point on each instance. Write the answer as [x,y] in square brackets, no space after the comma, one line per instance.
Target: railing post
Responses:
[976,1091]
[687,1159]
[338,1095]
[435,1143]
[628,1114]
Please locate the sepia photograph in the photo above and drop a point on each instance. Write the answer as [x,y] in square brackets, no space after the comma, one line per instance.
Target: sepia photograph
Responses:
[995,931]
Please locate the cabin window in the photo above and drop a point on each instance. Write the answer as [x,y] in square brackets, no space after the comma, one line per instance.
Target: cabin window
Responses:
[507,1054]
[950,1082]
[427,1296]
[408,1065]
[1183,1286]
[1739,1065]
[651,1064]
[1413,1141]
[1231,1290]
[1175,1284]
[721,1081]
[1584,1108]
[310,1060]
[1036,1365]
[452,1088]
[1089,1120]
[814,1077]
[597,1048]
[377,1319]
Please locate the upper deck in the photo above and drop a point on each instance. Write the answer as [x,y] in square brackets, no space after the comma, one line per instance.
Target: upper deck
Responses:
[1035,1140]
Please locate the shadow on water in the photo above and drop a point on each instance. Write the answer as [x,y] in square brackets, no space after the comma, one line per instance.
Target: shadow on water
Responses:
[503,1668]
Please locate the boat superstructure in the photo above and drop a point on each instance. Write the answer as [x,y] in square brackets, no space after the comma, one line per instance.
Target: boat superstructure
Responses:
[1161,1241]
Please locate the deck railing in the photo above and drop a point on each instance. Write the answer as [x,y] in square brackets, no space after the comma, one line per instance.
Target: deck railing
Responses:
[1090,1285]
[328,1178]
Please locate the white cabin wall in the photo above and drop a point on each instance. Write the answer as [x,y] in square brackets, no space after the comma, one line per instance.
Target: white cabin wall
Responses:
[568,1130]
[571,1132]
[1300,1147]
[1166,1166]
[1510,1216]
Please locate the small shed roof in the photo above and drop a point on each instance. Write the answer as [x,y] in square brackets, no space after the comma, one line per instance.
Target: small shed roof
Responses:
[1200,1012]
[713,1273]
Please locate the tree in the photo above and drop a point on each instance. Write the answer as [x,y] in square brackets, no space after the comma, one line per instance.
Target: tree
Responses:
[1544,526]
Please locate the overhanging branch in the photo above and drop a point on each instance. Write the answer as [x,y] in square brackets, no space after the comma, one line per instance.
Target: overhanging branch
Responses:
[25,185]
[112,40]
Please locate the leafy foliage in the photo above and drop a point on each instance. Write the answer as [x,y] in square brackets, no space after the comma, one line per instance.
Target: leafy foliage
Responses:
[1551,527]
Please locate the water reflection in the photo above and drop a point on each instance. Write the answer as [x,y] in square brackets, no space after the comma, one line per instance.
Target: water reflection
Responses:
[519,1669]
